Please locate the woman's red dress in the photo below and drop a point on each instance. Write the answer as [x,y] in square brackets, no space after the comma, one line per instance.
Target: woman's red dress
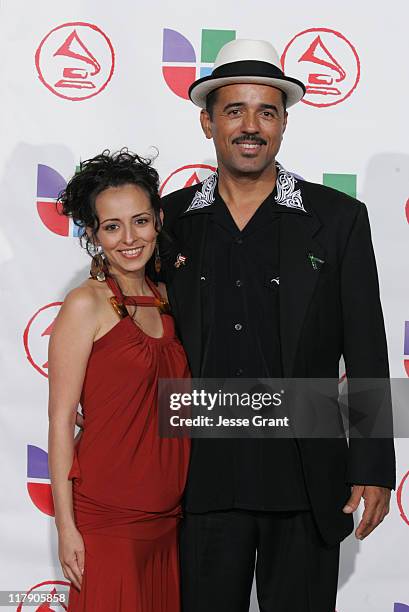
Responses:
[127,481]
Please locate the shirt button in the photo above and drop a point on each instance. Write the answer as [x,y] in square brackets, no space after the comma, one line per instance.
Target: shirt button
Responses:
[239,283]
[238,326]
[238,372]
[239,241]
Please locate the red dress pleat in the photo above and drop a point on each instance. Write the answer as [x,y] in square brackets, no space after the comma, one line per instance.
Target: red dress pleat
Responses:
[127,481]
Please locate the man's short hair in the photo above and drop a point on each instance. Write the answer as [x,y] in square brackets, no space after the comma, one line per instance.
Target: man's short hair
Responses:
[212,98]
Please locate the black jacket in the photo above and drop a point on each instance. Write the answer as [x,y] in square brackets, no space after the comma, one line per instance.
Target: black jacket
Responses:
[326,310]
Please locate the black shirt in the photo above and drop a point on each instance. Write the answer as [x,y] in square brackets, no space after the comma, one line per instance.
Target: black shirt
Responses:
[240,309]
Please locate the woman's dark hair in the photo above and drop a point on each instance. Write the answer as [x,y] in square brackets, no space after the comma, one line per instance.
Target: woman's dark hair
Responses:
[95,175]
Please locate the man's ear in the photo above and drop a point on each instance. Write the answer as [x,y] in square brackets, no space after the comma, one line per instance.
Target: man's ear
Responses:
[161,216]
[206,123]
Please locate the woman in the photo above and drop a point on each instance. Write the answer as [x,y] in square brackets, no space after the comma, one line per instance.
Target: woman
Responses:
[117,493]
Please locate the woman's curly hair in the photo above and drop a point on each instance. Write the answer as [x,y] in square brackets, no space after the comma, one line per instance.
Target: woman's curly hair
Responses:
[95,175]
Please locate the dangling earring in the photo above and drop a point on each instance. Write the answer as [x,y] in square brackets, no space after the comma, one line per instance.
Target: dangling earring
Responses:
[98,267]
[158,263]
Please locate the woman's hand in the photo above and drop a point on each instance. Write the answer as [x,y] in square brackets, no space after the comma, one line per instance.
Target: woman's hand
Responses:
[71,553]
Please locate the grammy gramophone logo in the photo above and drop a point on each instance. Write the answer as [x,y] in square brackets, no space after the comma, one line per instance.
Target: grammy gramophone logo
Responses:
[326,61]
[75,61]
[186,176]
[36,336]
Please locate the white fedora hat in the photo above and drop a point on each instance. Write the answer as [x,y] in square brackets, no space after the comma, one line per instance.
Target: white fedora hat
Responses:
[246,61]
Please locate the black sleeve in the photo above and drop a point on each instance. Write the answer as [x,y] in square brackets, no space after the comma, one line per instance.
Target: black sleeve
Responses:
[371,460]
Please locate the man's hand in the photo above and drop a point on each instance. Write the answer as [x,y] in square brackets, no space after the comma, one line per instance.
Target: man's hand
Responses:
[376,502]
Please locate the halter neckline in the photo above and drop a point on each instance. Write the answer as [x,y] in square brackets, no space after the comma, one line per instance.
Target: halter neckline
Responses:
[137,300]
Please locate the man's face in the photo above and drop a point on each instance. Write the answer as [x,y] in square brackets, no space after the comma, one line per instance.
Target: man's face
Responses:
[247,125]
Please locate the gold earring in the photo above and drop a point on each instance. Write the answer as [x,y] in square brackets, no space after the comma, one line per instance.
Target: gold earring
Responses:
[158,263]
[98,267]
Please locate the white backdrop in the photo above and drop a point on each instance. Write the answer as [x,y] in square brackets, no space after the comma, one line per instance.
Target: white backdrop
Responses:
[123,68]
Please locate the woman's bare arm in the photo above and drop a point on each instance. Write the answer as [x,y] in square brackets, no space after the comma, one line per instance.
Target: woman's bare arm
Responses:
[69,349]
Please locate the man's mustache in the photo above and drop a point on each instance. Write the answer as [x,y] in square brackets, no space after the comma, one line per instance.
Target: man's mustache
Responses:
[253,138]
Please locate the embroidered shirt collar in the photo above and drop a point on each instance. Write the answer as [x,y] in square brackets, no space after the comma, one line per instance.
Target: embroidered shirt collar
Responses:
[286,186]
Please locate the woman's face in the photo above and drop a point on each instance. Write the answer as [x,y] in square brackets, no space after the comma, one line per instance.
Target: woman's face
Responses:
[127,232]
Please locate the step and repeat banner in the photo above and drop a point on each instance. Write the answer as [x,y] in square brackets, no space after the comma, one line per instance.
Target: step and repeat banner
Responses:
[79,77]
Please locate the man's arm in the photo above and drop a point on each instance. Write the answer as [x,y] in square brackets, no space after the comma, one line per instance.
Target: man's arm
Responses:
[371,461]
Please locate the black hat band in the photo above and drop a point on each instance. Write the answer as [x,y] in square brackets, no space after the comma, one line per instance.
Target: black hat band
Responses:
[248,68]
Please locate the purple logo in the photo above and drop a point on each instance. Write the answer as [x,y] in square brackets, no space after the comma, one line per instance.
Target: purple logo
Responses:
[49,184]
[37,470]
[180,66]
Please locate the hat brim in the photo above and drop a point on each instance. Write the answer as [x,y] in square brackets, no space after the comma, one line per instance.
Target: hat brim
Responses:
[200,89]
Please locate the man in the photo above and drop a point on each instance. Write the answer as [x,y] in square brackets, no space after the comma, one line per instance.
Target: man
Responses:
[271,276]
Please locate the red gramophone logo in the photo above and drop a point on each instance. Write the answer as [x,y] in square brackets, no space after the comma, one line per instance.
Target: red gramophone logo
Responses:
[75,60]
[36,336]
[326,62]
[406,347]
[186,176]
[402,498]
[48,596]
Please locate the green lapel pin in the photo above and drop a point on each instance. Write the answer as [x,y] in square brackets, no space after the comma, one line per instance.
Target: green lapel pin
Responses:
[314,261]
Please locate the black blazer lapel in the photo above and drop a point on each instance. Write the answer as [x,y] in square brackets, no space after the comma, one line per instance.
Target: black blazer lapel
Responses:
[301,258]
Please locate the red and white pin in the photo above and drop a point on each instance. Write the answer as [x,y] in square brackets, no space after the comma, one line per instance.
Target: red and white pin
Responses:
[180,260]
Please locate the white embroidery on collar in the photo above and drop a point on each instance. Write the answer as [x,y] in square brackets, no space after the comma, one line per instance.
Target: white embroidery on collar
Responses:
[204,197]
[287,194]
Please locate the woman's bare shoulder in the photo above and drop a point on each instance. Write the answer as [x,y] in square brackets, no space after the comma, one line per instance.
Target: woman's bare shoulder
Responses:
[86,297]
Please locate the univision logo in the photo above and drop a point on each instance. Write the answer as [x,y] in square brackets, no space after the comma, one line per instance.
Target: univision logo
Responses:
[180,63]
[49,185]
[38,479]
